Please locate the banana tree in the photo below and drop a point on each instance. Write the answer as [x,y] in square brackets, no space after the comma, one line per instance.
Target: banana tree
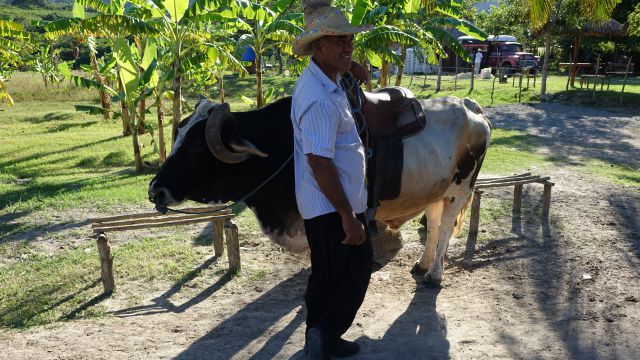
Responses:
[43,63]
[136,86]
[12,36]
[268,28]
[64,26]
[133,87]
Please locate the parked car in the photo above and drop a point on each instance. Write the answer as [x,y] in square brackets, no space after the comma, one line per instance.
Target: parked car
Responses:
[501,51]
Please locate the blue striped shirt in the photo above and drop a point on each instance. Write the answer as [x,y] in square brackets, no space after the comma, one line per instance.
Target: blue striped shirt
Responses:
[323,125]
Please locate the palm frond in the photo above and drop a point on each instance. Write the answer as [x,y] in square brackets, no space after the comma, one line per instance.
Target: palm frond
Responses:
[460,24]
[375,16]
[63,27]
[199,7]
[540,12]
[448,40]
[8,45]
[381,37]
[284,25]
[118,24]
[10,25]
[359,11]
[97,5]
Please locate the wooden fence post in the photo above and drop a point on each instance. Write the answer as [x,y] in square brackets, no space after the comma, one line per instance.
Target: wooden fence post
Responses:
[106,263]
[474,221]
[233,245]
[517,198]
[546,200]
[218,237]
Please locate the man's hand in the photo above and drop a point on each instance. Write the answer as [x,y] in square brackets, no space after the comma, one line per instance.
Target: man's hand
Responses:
[328,180]
[353,229]
[359,72]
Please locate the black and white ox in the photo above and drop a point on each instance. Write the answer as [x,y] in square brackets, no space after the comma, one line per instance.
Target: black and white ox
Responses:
[220,156]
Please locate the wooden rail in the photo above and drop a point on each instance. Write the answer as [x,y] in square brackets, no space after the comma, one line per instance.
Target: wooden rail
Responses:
[221,223]
[517,181]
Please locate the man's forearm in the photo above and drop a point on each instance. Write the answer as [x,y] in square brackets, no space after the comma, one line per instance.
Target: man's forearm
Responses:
[328,180]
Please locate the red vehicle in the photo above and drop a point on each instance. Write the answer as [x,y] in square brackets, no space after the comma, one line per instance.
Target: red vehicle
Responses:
[501,51]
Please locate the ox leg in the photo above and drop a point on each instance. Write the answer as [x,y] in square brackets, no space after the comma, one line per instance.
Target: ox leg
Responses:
[433,212]
[445,231]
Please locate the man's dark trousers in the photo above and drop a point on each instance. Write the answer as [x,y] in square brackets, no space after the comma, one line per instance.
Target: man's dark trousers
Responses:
[339,276]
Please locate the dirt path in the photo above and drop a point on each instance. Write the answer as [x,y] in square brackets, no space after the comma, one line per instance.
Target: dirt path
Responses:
[565,291]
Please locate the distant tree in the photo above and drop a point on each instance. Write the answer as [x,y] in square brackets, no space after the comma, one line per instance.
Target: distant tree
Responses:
[545,14]
[28,4]
[634,21]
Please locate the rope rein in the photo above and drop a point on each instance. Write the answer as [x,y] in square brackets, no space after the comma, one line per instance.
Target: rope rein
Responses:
[166,208]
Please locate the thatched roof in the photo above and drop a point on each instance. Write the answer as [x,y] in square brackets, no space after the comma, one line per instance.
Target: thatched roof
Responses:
[610,27]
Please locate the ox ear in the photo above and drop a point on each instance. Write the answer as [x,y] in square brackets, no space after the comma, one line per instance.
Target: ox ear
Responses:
[244,146]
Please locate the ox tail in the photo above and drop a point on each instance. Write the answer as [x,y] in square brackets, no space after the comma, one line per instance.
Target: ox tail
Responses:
[460,218]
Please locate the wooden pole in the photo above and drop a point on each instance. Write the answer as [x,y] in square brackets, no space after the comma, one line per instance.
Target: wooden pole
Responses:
[473,72]
[233,246]
[455,79]
[595,79]
[517,198]
[546,200]
[439,74]
[520,88]
[218,237]
[473,226]
[106,263]
[624,82]
[493,87]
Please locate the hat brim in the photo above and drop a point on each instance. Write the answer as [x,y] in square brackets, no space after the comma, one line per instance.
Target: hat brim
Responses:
[301,45]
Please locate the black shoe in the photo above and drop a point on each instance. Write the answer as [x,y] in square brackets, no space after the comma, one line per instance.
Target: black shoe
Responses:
[316,346]
[345,348]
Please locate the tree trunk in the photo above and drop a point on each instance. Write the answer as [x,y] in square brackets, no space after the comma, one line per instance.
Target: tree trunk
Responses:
[136,144]
[279,59]
[545,63]
[161,145]
[384,73]
[439,74]
[126,127]
[403,57]
[368,85]
[142,105]
[105,100]
[177,95]
[141,108]
[46,83]
[259,96]
[221,87]
[547,47]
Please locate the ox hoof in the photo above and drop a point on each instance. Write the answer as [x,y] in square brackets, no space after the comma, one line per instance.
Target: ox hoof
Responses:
[433,280]
[417,270]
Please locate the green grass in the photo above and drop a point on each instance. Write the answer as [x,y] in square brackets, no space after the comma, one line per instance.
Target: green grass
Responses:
[507,93]
[54,159]
[25,16]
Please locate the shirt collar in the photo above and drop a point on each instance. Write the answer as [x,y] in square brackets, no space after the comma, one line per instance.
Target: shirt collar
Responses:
[326,83]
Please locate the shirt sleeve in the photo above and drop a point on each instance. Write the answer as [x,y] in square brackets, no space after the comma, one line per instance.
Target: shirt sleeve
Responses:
[319,128]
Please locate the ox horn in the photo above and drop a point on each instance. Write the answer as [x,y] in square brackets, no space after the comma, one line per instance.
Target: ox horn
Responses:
[213,135]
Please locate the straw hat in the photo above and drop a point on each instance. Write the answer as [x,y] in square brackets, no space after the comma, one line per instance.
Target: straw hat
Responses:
[322,21]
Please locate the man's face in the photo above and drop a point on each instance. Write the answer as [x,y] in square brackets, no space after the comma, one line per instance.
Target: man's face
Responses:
[333,52]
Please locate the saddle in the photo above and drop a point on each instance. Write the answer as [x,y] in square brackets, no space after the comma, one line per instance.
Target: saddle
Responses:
[384,118]
[392,111]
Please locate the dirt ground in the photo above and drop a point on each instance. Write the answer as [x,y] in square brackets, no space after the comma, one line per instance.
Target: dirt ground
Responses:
[564,290]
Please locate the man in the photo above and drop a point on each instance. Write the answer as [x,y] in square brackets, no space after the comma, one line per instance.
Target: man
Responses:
[330,184]
[478,61]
